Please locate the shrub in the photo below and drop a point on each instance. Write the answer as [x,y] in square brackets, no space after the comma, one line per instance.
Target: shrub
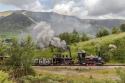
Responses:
[116,30]
[122,27]
[119,54]
[102,32]
[121,74]
[20,60]
[84,37]
[4,77]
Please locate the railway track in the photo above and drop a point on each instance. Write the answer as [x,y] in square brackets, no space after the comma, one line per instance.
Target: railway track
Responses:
[79,67]
[84,65]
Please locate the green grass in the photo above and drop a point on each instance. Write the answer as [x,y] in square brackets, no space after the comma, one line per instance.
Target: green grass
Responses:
[46,53]
[76,75]
[90,46]
[8,35]
[54,78]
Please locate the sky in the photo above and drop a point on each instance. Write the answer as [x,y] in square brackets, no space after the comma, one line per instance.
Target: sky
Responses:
[84,9]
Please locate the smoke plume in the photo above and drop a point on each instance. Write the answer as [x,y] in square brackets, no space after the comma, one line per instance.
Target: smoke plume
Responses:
[44,36]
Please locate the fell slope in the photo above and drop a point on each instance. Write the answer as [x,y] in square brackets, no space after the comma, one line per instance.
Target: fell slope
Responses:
[14,23]
[20,20]
[91,45]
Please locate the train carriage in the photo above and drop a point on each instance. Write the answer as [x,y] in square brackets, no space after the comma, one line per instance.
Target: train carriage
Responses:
[67,60]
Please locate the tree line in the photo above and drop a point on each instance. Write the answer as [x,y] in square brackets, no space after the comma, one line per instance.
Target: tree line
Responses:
[75,37]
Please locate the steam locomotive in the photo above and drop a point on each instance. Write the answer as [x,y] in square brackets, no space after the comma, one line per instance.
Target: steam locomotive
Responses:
[59,59]
[66,60]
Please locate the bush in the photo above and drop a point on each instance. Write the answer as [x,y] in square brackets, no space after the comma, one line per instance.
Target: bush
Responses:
[122,27]
[84,37]
[119,54]
[102,32]
[116,30]
[70,37]
[104,53]
[121,74]
[4,77]
[20,61]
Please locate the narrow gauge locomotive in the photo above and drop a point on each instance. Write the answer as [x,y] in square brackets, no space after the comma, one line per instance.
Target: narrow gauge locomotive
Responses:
[67,60]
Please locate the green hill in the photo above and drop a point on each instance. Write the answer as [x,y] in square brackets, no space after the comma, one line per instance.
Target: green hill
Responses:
[14,23]
[90,45]
[113,56]
[102,44]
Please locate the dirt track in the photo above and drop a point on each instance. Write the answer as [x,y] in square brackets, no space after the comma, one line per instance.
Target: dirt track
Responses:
[78,67]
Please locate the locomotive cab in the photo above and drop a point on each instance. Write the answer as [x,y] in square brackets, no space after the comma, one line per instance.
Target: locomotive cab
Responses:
[81,57]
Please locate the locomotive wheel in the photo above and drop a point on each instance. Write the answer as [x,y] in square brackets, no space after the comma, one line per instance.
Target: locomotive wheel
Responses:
[90,64]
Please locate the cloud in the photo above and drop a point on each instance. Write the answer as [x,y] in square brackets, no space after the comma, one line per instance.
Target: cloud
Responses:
[92,8]
[33,5]
[72,7]
[104,7]
[79,8]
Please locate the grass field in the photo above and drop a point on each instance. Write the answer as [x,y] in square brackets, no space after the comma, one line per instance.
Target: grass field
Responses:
[90,46]
[77,75]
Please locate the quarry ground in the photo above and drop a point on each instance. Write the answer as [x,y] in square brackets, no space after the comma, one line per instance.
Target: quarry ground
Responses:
[97,72]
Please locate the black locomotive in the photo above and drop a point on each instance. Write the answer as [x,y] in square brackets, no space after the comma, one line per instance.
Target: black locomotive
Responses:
[67,60]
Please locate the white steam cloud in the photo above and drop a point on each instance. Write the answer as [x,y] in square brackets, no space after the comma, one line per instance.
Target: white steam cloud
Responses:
[44,36]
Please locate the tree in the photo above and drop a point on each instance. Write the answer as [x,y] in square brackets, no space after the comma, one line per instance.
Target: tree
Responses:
[20,59]
[65,36]
[115,30]
[3,49]
[84,37]
[74,36]
[3,53]
[75,32]
[102,32]
[70,38]
[122,27]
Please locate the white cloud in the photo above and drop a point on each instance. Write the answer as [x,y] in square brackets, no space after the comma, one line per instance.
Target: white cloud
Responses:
[79,8]
[32,5]
[72,7]
[104,7]
[65,8]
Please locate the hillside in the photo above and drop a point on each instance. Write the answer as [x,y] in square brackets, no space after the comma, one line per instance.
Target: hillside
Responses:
[21,20]
[103,43]
[14,23]
[115,56]
[91,44]
[6,13]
